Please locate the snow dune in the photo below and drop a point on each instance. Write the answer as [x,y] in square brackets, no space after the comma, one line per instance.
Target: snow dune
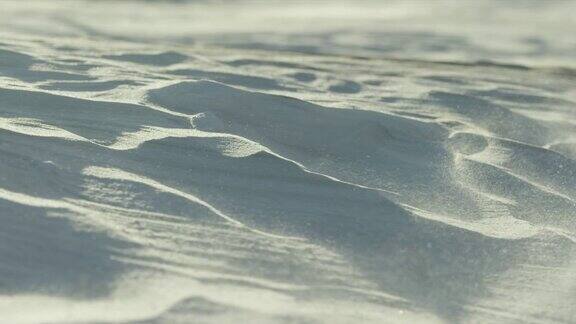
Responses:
[180,174]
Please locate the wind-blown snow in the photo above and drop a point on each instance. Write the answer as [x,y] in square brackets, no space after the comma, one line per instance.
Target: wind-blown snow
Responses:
[273,162]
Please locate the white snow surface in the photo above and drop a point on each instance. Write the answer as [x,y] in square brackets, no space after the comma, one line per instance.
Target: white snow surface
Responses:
[287,161]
